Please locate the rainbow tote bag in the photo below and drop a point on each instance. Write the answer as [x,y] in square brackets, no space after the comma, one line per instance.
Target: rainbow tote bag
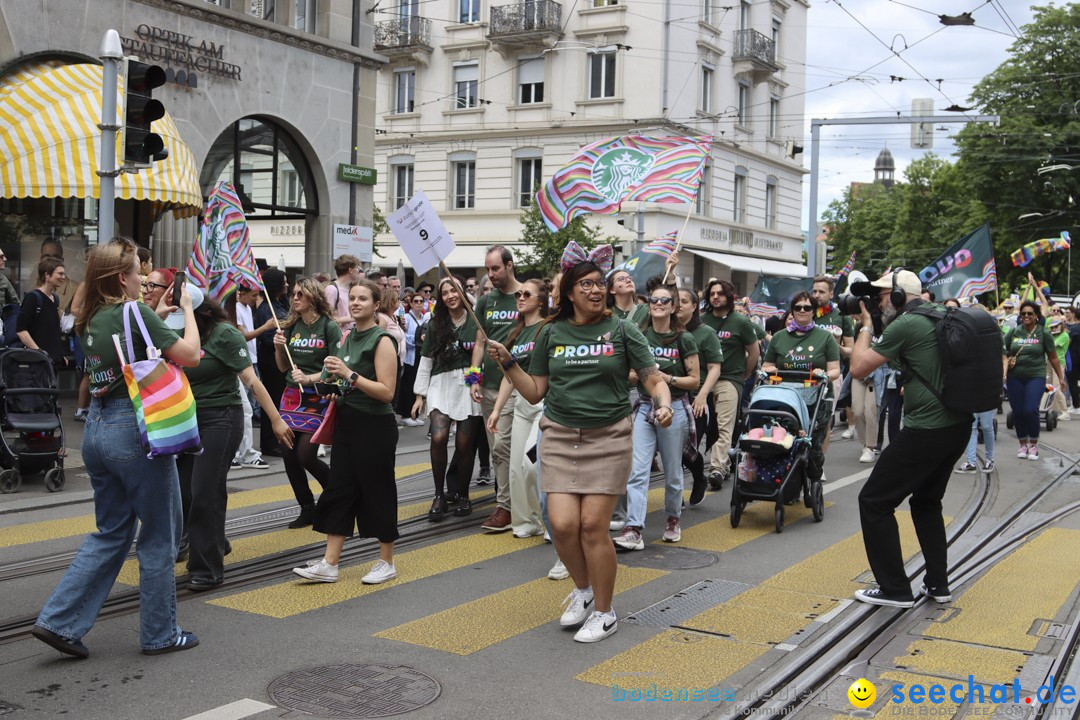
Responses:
[159,390]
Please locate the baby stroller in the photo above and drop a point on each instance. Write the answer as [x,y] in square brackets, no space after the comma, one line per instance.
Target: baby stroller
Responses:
[31,434]
[773,450]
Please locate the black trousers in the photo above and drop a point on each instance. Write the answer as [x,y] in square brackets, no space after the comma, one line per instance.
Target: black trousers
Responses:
[916,463]
[202,487]
[362,492]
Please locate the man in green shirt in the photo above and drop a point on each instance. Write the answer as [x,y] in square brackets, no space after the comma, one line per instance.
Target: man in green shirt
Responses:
[739,344]
[497,313]
[828,316]
[919,461]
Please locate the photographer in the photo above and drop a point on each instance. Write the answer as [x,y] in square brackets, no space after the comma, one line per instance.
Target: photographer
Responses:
[919,461]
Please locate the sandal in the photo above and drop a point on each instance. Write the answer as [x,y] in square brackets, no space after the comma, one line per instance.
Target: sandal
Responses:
[438,509]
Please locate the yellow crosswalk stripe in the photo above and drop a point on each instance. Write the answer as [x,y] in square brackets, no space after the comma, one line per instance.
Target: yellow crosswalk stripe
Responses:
[85,524]
[502,615]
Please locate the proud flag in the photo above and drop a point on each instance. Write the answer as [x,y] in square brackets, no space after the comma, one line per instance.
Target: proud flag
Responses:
[965,269]
[633,167]
[222,258]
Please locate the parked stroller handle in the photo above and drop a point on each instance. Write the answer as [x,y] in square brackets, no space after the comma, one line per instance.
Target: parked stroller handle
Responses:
[778,376]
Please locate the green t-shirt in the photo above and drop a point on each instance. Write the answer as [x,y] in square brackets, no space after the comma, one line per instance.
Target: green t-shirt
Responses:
[813,351]
[102,364]
[708,350]
[636,314]
[310,344]
[588,369]
[497,312]
[525,343]
[223,356]
[357,350]
[837,324]
[1030,349]
[910,341]
[670,358]
[461,357]
[735,333]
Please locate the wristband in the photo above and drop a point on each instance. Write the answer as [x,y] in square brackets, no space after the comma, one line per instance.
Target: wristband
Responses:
[474,376]
[509,363]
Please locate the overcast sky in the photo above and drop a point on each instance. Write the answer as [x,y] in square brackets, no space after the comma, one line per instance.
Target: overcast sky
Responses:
[838,48]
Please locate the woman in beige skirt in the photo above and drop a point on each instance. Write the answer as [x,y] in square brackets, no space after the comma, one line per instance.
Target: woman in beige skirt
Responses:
[580,367]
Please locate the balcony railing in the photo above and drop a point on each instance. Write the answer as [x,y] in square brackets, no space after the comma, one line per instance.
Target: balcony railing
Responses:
[752,45]
[525,19]
[403,34]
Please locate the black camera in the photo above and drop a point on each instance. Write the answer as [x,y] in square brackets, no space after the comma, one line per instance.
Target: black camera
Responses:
[852,304]
[862,294]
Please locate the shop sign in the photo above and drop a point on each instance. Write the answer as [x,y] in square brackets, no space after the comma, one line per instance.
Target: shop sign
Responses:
[184,55]
[353,240]
[284,230]
[737,238]
[356,174]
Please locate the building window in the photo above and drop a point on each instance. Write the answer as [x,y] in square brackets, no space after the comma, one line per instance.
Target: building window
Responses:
[531,80]
[707,75]
[774,117]
[704,193]
[466,80]
[306,14]
[404,90]
[291,191]
[770,203]
[601,75]
[744,104]
[464,185]
[604,3]
[740,195]
[744,15]
[529,170]
[403,184]
[708,12]
[262,9]
[470,11]
[776,25]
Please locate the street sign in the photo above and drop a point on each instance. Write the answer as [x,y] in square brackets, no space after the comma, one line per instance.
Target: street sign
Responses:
[357,174]
[421,233]
[353,240]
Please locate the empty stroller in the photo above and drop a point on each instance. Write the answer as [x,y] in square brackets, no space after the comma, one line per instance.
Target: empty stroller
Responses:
[31,434]
[773,450]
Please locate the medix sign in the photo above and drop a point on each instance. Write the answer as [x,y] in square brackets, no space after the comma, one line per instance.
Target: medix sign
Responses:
[972,692]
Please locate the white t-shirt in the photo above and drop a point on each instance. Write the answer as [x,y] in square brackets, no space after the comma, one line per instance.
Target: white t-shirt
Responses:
[247,323]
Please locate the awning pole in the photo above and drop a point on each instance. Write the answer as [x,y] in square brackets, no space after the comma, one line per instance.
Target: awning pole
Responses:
[112,55]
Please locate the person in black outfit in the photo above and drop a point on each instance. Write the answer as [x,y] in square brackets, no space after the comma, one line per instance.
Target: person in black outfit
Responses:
[38,326]
[277,287]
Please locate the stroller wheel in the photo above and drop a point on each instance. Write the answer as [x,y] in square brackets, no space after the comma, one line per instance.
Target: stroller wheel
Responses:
[779,518]
[54,480]
[818,499]
[10,481]
[736,513]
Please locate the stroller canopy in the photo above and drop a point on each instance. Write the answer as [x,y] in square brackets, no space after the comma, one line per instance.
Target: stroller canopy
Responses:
[781,397]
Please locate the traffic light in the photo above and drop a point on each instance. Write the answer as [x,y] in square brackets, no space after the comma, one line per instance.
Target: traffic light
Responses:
[830,259]
[139,147]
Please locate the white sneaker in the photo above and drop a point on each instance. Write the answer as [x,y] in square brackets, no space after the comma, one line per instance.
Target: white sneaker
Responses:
[558,571]
[867,456]
[409,422]
[522,534]
[380,573]
[1022,453]
[578,605]
[322,451]
[319,571]
[547,537]
[597,627]
[849,433]
[616,525]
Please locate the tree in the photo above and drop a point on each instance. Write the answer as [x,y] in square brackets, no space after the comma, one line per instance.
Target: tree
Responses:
[545,248]
[1035,92]
[379,226]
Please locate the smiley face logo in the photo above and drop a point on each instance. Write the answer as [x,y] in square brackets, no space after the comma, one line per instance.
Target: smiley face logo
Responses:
[862,694]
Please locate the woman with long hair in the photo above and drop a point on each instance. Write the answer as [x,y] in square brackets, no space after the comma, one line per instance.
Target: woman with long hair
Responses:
[676,354]
[623,299]
[1027,348]
[361,494]
[220,413]
[580,367]
[532,306]
[130,490]
[710,354]
[310,333]
[415,317]
[440,384]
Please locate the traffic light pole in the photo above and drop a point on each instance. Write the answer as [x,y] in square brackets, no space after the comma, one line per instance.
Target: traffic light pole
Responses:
[111,55]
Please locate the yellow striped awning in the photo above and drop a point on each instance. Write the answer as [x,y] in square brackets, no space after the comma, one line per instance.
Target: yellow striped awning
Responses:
[50,142]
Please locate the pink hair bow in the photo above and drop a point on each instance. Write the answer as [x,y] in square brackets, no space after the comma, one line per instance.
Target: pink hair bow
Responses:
[601,256]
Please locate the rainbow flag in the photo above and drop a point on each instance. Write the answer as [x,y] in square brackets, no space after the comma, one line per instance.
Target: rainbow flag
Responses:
[848,266]
[633,167]
[663,245]
[222,258]
[1024,255]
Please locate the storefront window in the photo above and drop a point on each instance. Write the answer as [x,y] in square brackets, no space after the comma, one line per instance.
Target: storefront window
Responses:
[31,227]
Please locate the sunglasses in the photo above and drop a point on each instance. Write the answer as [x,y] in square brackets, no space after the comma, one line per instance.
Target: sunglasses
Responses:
[1027,314]
[524,294]
[653,300]
[588,285]
[802,308]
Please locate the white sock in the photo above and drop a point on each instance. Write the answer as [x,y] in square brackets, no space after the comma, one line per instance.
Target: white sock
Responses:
[608,614]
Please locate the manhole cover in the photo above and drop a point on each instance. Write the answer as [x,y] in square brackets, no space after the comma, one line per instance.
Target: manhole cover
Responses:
[668,558]
[354,691]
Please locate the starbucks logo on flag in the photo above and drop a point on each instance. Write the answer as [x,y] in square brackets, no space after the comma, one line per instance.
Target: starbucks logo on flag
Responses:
[618,170]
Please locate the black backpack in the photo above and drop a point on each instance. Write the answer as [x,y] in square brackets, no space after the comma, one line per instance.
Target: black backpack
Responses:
[969,340]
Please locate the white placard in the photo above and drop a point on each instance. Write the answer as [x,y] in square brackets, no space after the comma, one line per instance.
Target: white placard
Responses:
[353,240]
[421,233]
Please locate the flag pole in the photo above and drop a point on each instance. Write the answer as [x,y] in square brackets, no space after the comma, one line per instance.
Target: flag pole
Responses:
[678,242]
[266,294]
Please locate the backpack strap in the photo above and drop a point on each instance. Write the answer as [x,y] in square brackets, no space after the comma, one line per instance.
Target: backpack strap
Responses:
[934,316]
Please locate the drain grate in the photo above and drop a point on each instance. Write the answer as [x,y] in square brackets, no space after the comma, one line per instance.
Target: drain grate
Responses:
[687,603]
[659,557]
[354,691]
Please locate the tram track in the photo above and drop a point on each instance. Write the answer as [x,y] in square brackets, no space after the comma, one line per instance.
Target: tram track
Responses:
[845,647]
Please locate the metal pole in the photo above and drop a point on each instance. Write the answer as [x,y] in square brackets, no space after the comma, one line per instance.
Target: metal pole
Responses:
[111,55]
[811,241]
[640,229]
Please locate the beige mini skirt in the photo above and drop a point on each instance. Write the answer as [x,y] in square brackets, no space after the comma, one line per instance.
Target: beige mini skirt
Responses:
[590,461]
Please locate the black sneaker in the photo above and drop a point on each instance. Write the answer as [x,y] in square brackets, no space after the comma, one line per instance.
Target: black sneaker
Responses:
[305,518]
[74,648]
[697,494]
[875,596]
[716,480]
[184,641]
[484,478]
[259,464]
[938,594]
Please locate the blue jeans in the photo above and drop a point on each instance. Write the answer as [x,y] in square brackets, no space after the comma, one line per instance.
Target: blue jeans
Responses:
[985,420]
[647,439]
[1024,397]
[128,488]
